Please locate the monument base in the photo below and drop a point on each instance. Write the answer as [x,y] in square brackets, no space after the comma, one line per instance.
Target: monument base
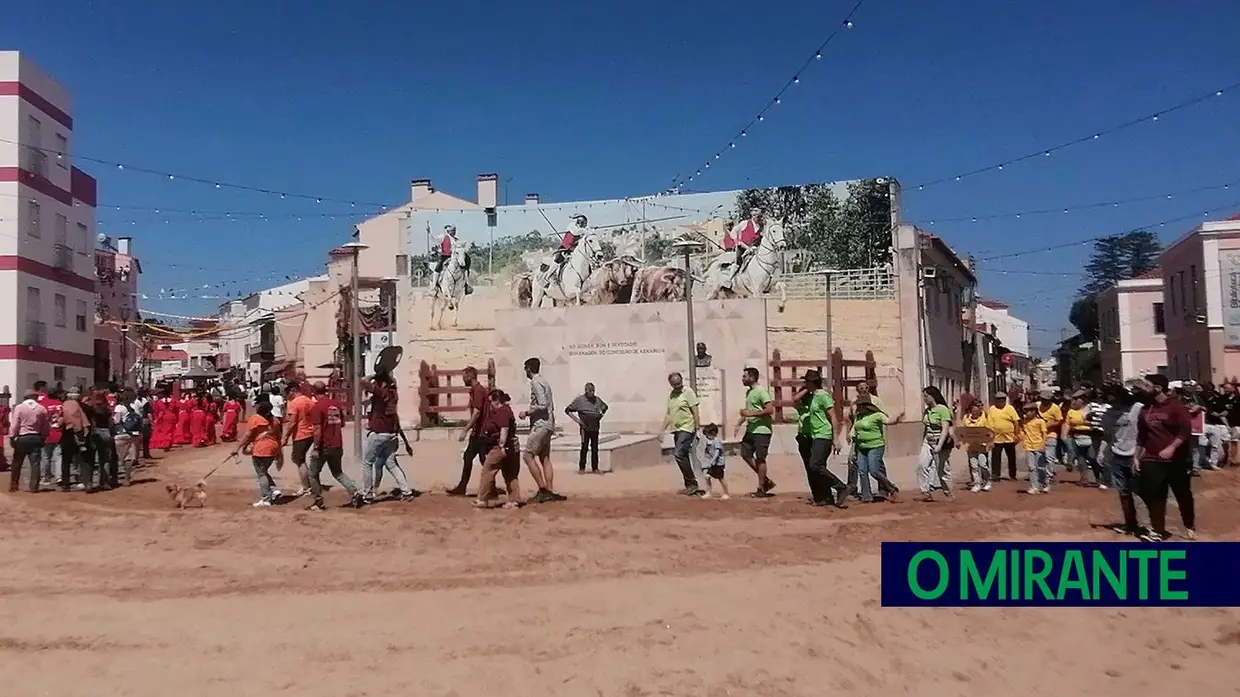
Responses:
[616,451]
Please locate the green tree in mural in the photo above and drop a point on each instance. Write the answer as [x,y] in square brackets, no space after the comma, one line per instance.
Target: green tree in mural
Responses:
[854,233]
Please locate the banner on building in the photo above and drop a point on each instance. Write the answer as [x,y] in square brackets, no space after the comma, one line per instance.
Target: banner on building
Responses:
[1230,276]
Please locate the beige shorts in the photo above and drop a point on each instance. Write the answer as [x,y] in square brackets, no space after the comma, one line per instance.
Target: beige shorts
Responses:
[538,443]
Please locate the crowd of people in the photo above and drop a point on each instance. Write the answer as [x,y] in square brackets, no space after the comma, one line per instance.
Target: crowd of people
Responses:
[1146,439]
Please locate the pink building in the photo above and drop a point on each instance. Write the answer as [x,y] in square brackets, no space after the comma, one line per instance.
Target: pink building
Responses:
[1132,328]
[47,219]
[116,305]
[1201,294]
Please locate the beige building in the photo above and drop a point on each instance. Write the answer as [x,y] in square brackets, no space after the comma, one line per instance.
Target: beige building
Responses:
[1132,328]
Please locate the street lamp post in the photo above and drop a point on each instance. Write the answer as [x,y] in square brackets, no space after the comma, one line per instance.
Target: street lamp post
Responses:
[687,247]
[124,345]
[355,322]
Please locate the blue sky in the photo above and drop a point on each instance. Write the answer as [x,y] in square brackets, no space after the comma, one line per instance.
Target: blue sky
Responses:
[601,100]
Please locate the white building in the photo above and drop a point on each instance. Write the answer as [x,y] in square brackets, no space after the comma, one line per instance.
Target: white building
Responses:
[251,342]
[47,221]
[1013,334]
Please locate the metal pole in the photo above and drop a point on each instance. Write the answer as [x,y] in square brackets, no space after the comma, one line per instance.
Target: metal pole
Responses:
[693,384]
[124,370]
[830,329]
[358,364]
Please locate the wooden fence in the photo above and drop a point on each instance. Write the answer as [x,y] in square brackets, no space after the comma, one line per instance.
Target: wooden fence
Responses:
[436,391]
[838,376]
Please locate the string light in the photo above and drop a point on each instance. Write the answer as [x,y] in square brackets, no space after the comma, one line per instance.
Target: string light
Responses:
[1090,206]
[678,183]
[1095,135]
[1091,240]
[172,176]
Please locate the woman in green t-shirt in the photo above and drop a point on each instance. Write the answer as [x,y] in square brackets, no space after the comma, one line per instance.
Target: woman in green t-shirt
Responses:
[934,463]
[869,438]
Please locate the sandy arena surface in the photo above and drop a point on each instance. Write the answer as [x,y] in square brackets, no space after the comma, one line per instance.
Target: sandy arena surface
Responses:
[625,589]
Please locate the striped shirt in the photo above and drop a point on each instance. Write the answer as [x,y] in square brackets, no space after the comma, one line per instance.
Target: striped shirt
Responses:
[1095,412]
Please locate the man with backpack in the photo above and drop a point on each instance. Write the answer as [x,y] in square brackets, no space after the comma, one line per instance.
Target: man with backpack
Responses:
[127,432]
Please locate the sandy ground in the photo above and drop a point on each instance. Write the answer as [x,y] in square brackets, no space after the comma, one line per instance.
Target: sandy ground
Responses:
[625,589]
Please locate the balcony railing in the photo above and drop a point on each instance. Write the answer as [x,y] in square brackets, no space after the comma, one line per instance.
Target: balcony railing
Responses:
[36,333]
[63,257]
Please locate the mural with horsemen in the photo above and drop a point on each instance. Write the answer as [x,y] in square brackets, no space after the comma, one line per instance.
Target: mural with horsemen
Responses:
[621,251]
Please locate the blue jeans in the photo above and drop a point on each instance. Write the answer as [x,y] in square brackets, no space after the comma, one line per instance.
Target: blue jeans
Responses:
[869,463]
[51,462]
[1040,469]
[682,451]
[1122,475]
[379,451]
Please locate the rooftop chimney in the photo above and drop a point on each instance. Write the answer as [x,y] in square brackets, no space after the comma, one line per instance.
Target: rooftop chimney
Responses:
[488,190]
[124,245]
[532,199]
[419,189]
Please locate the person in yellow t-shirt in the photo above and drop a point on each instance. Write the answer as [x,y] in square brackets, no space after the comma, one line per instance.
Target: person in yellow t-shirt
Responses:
[1003,419]
[1035,439]
[1050,412]
[979,467]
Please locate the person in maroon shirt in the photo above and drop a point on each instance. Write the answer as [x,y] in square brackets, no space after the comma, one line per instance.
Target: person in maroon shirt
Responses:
[1164,435]
[327,419]
[479,402]
[383,436]
[499,435]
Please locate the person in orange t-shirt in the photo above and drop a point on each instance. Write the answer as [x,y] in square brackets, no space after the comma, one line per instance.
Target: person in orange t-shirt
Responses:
[299,428]
[262,443]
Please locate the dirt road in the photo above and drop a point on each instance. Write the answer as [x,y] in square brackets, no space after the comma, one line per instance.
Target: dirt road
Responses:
[624,589]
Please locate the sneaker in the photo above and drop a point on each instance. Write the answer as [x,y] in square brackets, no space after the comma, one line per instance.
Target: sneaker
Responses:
[1044,490]
[1151,536]
[316,506]
[261,503]
[406,496]
[276,494]
[581,470]
[986,486]
[769,486]
[975,489]
[456,491]
[303,491]
[1190,534]
[724,497]
[1033,490]
[708,495]
[762,494]
[356,501]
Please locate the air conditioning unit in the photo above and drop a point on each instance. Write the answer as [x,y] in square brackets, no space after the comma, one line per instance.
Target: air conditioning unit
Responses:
[929,272]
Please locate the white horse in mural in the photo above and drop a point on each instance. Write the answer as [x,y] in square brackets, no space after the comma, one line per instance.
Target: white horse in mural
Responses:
[565,282]
[449,287]
[759,275]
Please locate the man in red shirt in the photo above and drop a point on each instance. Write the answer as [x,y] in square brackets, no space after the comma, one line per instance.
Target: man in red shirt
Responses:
[571,237]
[747,235]
[326,417]
[1164,443]
[51,446]
[479,403]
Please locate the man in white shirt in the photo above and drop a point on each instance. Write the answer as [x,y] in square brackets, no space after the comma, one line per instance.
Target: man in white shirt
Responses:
[127,423]
[277,402]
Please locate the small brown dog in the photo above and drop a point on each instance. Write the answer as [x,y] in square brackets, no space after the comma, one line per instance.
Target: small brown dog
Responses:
[182,496]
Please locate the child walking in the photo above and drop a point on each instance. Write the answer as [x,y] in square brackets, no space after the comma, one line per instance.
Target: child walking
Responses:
[978,452]
[1033,436]
[713,460]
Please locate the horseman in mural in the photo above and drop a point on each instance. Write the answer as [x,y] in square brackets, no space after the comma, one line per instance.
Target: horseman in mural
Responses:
[450,280]
[751,268]
[563,277]
[745,236]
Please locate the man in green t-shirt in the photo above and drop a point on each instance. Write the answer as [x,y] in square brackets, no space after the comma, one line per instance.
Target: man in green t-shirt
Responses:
[682,420]
[826,489]
[756,417]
